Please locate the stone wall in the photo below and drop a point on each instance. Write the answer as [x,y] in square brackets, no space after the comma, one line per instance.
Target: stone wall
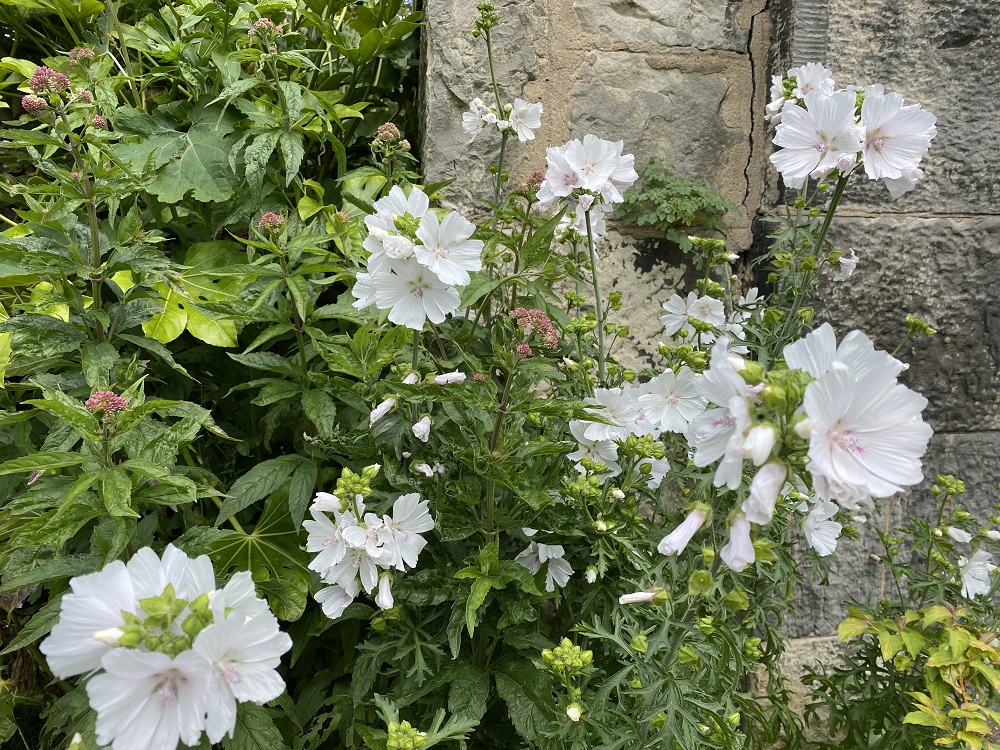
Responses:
[687,80]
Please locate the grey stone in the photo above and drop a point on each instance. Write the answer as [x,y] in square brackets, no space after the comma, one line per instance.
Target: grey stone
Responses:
[971,457]
[945,271]
[703,24]
[942,55]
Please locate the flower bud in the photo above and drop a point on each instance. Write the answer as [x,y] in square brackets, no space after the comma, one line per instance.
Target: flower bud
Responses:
[109,636]
[574,712]
[591,574]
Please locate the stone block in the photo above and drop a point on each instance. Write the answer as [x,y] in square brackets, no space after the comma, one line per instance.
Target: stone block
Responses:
[943,56]
[972,457]
[945,271]
[675,23]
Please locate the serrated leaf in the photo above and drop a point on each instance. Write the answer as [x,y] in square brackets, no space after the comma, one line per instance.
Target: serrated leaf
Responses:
[256,157]
[255,730]
[41,462]
[292,153]
[852,627]
[42,571]
[524,689]
[477,595]
[321,411]
[300,491]
[261,481]
[116,493]
[470,690]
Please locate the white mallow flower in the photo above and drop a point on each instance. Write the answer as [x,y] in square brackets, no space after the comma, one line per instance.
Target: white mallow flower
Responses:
[904,183]
[772,111]
[813,139]
[150,573]
[678,310]
[758,444]
[738,552]
[384,596]
[764,490]
[639,597]
[619,407]
[449,377]
[993,534]
[94,605]
[422,429]
[677,540]
[560,178]
[145,699]
[237,598]
[976,573]
[525,118]
[596,165]
[821,532]
[896,136]
[658,470]
[336,598]
[381,410]
[959,535]
[402,531]
[326,538]
[413,294]
[847,265]
[811,78]
[605,451]
[363,291]
[447,249]
[474,120]
[382,224]
[368,535]
[557,571]
[817,352]
[867,431]
[244,654]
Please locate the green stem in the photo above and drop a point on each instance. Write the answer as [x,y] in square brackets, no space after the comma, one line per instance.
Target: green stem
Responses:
[232,519]
[499,181]
[137,98]
[493,73]
[598,307]
[491,501]
[415,364]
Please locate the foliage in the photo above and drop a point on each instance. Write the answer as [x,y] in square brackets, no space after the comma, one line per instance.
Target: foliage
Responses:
[673,205]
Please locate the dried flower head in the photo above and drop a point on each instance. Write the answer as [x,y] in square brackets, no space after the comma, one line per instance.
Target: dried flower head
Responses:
[404,145]
[99,122]
[47,80]
[388,133]
[33,104]
[105,404]
[271,221]
[84,96]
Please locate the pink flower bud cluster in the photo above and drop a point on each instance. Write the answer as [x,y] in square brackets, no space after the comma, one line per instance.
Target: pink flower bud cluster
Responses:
[33,104]
[80,54]
[388,133]
[84,96]
[106,402]
[535,321]
[263,26]
[47,80]
[99,122]
[271,221]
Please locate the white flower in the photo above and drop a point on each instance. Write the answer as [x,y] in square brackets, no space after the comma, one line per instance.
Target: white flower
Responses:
[764,490]
[411,378]
[959,535]
[604,451]
[773,109]
[150,574]
[147,700]
[557,572]
[94,605]
[847,265]
[596,165]
[813,139]
[474,120]
[639,597]
[525,118]
[326,538]
[363,291]
[993,534]
[423,468]
[677,540]
[381,410]
[821,532]
[574,712]
[384,598]
[449,377]
[410,518]
[738,552]
[906,182]
[591,574]
[324,502]
[238,597]
[758,443]
[658,468]
[678,311]
[619,408]
[243,654]
[413,294]
[446,248]
[369,535]
[335,599]
[976,573]
[422,429]
[867,431]
[896,136]
[811,78]
[817,352]
[560,178]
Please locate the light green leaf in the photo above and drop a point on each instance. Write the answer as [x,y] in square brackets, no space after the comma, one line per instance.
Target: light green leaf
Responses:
[480,588]
[40,462]
[116,493]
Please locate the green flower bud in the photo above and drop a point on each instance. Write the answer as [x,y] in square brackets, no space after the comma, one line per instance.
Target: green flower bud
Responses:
[640,643]
[700,583]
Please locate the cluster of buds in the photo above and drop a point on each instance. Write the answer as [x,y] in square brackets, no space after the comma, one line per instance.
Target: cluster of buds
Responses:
[263,27]
[389,141]
[47,81]
[402,736]
[488,18]
[271,222]
[567,658]
[105,404]
[33,104]
[80,56]
[98,122]
[533,323]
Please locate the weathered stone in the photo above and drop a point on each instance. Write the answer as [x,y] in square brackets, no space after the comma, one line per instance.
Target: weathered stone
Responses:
[945,271]
[971,457]
[677,23]
[800,654]
[943,56]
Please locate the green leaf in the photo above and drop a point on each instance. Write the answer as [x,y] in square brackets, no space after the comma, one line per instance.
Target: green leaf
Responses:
[270,552]
[470,690]
[852,627]
[41,462]
[37,627]
[300,491]
[924,720]
[256,157]
[255,730]
[195,162]
[262,480]
[292,153]
[73,414]
[527,694]
[116,493]
[480,588]
[42,571]
[98,359]
[321,411]
[41,335]
[151,345]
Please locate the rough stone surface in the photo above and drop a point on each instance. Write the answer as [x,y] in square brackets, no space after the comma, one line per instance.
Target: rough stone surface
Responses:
[945,271]
[703,24]
[972,457]
[943,55]
[799,654]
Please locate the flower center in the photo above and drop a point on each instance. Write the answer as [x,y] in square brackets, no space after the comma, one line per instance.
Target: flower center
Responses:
[418,291]
[724,421]
[232,675]
[822,147]
[850,443]
[166,693]
[673,400]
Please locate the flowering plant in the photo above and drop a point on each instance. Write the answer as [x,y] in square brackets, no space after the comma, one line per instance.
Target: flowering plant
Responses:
[419,451]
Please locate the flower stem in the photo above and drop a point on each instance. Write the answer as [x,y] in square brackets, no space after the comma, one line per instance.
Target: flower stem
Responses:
[598,307]
[491,501]
[415,364]
[499,181]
